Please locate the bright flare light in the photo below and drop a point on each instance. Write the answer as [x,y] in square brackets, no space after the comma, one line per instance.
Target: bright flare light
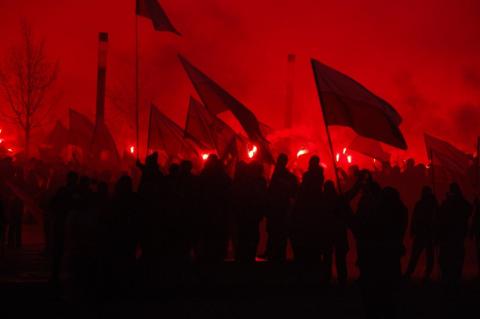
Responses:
[132,149]
[205,156]
[344,150]
[337,158]
[252,152]
[349,159]
[10,150]
[301,152]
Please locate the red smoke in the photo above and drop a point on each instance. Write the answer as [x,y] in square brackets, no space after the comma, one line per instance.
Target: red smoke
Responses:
[422,56]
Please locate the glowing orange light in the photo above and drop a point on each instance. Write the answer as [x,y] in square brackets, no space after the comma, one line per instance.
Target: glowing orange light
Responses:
[205,156]
[344,150]
[301,152]
[337,158]
[349,159]
[132,149]
[252,152]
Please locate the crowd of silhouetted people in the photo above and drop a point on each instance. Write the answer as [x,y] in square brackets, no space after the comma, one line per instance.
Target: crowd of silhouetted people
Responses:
[103,237]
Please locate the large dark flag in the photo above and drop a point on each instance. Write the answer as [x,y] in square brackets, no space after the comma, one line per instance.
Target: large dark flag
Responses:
[217,100]
[103,141]
[152,10]
[208,129]
[370,148]
[346,102]
[164,134]
[57,139]
[80,132]
[448,156]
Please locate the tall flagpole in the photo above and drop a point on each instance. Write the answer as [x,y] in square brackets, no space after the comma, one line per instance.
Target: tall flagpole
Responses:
[328,131]
[137,85]
[432,172]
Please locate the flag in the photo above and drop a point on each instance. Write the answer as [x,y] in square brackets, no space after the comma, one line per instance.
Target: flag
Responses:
[217,100]
[80,132]
[103,141]
[58,137]
[166,135]
[346,102]
[370,148]
[449,157]
[208,129]
[152,10]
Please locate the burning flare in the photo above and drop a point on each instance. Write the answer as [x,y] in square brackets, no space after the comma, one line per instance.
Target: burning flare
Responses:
[252,152]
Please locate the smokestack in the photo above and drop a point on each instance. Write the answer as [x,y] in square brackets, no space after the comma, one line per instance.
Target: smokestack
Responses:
[290,91]
[101,76]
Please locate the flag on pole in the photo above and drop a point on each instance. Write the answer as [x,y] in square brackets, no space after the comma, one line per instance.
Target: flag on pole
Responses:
[103,141]
[346,102]
[217,100]
[80,132]
[166,135]
[58,137]
[208,129]
[370,148]
[449,157]
[152,10]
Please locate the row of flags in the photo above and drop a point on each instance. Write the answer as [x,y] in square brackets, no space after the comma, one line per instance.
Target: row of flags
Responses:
[343,100]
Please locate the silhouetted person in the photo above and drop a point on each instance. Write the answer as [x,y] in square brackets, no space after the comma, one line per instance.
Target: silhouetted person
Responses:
[379,227]
[422,230]
[307,238]
[151,175]
[475,230]
[81,253]
[15,216]
[281,194]
[453,219]
[119,239]
[215,198]
[61,205]
[336,206]
[249,195]
[188,201]
[3,221]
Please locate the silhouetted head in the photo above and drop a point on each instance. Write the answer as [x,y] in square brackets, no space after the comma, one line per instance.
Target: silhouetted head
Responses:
[374,188]
[282,160]
[329,188]
[186,167]
[212,161]
[123,186]
[84,183]
[102,189]
[410,163]
[174,169]
[152,159]
[314,162]
[455,190]
[427,192]
[72,178]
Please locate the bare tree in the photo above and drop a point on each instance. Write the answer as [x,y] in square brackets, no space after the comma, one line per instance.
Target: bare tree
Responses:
[27,79]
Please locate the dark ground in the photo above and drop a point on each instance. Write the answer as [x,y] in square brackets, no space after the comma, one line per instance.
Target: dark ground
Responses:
[260,291]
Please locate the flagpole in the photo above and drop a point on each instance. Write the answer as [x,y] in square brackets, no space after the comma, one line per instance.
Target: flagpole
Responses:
[328,131]
[432,173]
[478,164]
[137,88]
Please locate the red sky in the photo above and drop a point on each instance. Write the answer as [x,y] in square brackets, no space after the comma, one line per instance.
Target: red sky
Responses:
[422,56]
